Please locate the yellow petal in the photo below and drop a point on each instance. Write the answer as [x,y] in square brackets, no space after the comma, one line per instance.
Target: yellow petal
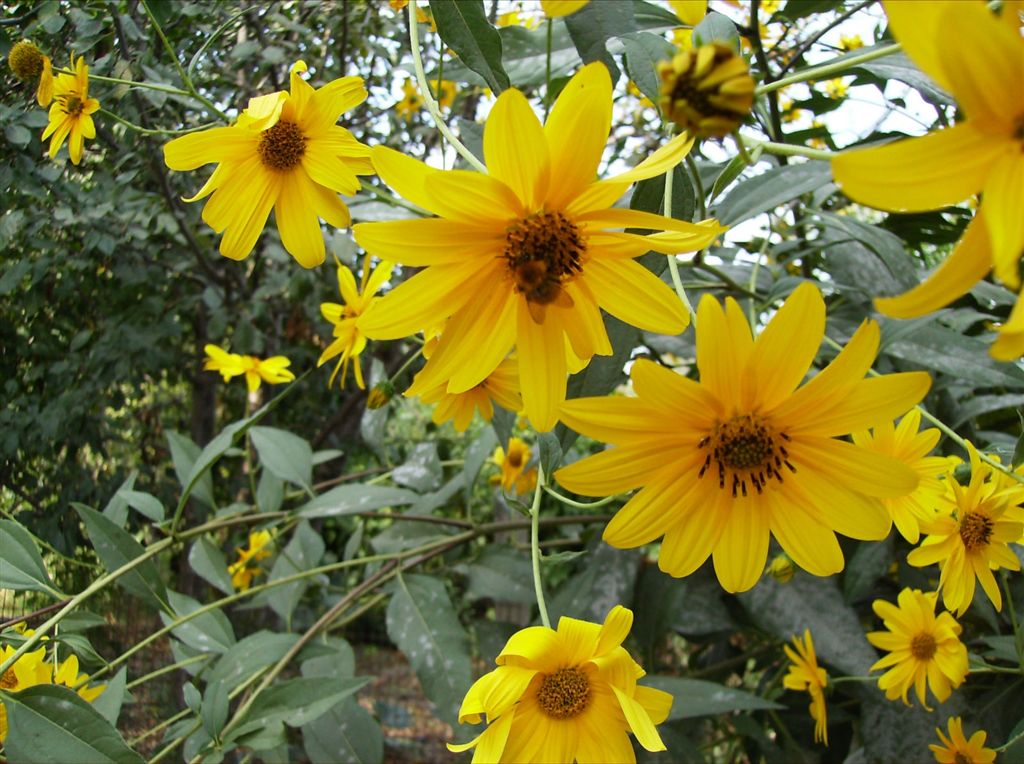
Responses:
[252,207]
[690,12]
[868,403]
[554,9]
[664,506]
[542,367]
[1009,345]
[340,95]
[724,344]
[668,156]
[916,174]
[297,220]
[633,294]
[329,171]
[686,400]
[639,722]
[613,471]
[218,144]
[803,536]
[784,351]
[918,27]
[577,640]
[1003,204]
[433,241]
[516,150]
[473,197]
[577,131]
[967,264]
[615,629]
[657,703]
[857,468]
[616,420]
[404,174]
[742,549]
[537,647]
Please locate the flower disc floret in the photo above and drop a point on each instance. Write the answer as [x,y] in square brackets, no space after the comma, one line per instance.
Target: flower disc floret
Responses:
[25,61]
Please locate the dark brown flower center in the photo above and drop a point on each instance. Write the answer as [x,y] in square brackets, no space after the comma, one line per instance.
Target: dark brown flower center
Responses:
[975,530]
[515,459]
[543,252]
[282,146]
[706,90]
[564,694]
[923,646]
[73,105]
[962,758]
[745,449]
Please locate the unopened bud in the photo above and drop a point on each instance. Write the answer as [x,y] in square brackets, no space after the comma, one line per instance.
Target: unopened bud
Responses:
[707,91]
[379,395]
[781,568]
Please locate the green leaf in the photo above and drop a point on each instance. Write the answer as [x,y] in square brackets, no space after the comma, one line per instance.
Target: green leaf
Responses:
[303,551]
[208,562]
[607,579]
[116,548]
[213,710]
[643,52]
[422,623]
[963,358]
[350,499]
[974,406]
[210,632]
[695,697]
[550,452]
[17,135]
[768,190]
[799,9]
[898,66]
[22,568]
[286,455]
[715,27]
[593,25]
[184,453]
[346,734]
[422,469]
[868,242]
[117,507]
[299,701]
[255,652]
[464,28]
[501,573]
[478,452]
[109,702]
[49,723]
[145,503]
[269,492]
[649,196]
[503,422]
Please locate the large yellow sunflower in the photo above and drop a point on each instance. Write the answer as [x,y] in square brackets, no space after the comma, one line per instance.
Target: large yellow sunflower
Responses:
[746,453]
[969,544]
[71,113]
[564,696]
[285,153]
[526,256]
[984,69]
[924,648]
[911,447]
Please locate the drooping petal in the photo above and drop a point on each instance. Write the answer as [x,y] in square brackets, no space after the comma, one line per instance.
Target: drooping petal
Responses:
[542,367]
[297,220]
[615,629]
[658,703]
[915,174]
[639,722]
[516,150]
[633,294]
[742,549]
[1003,202]
[967,264]
[577,131]
[665,158]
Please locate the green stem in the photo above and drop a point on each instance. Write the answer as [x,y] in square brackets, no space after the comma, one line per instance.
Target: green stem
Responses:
[167,669]
[673,264]
[131,83]
[829,69]
[578,504]
[387,198]
[792,150]
[538,585]
[405,366]
[428,98]
[547,70]
[1018,635]
[1012,741]
[698,185]
[157,131]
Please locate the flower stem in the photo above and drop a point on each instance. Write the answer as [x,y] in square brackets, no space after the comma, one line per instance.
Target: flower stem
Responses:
[148,131]
[1018,635]
[538,586]
[841,64]
[673,264]
[790,150]
[547,70]
[428,98]
[578,504]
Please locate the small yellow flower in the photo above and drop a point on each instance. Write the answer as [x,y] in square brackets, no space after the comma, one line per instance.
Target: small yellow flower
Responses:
[563,696]
[517,19]
[501,386]
[411,101]
[349,340]
[707,91]
[273,370]
[71,113]
[957,749]
[397,5]
[554,9]
[974,542]
[850,42]
[836,89]
[911,447]
[513,467]
[924,649]
[245,569]
[805,674]
[285,152]
[446,96]
[633,90]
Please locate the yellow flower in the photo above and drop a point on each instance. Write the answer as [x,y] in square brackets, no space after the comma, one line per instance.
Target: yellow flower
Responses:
[836,88]
[690,12]
[501,386]
[805,674]
[633,90]
[957,749]
[244,569]
[524,257]
[924,649]
[850,42]
[972,544]
[563,696]
[707,90]
[411,101]
[912,448]
[423,17]
[285,153]
[554,9]
[273,370]
[71,113]
[781,568]
[349,339]
[985,71]
[745,453]
[446,96]
[28,64]
[517,19]
[33,669]
[397,5]
[513,467]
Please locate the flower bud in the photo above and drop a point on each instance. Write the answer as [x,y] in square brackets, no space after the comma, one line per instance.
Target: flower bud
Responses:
[707,90]
[26,61]
[379,395]
[781,568]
